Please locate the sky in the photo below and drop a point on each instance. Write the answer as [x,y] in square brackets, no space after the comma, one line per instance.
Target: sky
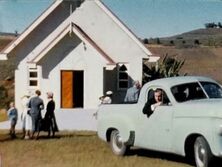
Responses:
[146,18]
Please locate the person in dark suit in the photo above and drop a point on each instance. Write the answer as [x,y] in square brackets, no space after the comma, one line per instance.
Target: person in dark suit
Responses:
[36,105]
[153,103]
[50,120]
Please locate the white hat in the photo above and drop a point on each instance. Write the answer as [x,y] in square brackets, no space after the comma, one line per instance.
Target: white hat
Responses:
[109,92]
[26,94]
[50,94]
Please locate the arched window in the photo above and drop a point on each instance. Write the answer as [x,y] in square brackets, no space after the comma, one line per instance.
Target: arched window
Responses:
[123,77]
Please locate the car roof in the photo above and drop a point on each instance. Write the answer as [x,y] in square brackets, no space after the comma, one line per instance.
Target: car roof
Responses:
[171,81]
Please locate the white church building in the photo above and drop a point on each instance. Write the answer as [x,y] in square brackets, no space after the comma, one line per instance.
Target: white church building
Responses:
[78,49]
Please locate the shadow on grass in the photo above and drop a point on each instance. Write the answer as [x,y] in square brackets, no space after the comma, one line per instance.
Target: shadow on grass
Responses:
[158,155]
[5,136]
[167,156]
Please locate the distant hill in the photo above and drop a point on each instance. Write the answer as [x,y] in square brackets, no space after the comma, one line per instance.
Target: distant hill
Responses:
[7,72]
[201,49]
[6,67]
[6,38]
[204,37]
[199,33]
[206,61]
[7,34]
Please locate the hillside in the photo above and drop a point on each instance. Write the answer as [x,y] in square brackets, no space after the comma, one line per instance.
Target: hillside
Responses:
[206,61]
[6,67]
[204,37]
[202,33]
[7,72]
[201,49]
[203,58]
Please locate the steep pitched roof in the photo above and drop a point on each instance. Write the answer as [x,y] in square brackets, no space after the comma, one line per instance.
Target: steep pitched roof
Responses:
[28,30]
[39,54]
[122,26]
[11,46]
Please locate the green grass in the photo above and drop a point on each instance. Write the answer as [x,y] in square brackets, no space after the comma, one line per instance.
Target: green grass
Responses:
[80,149]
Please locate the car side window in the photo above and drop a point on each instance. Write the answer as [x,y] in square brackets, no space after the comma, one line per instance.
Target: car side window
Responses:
[185,92]
[155,98]
[150,96]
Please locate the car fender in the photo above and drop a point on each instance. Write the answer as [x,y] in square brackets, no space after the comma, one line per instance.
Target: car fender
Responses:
[124,126]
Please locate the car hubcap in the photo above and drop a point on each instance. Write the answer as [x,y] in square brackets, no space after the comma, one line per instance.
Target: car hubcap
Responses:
[118,140]
[200,155]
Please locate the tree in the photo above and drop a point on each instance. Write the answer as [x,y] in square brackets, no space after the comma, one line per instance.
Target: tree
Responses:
[211,25]
[158,41]
[196,42]
[219,25]
[171,42]
[168,67]
[145,41]
[16,33]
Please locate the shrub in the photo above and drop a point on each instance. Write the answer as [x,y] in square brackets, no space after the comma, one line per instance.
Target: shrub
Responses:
[145,41]
[168,67]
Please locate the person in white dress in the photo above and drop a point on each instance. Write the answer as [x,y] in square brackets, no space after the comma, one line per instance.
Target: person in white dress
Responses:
[25,117]
[107,99]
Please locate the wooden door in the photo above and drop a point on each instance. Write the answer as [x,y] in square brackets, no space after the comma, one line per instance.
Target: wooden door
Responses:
[78,87]
[67,89]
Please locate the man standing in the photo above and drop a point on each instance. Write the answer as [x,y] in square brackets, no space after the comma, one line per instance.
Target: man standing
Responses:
[36,105]
[132,93]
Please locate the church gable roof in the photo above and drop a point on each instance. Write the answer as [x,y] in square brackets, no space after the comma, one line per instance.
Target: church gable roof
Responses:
[86,33]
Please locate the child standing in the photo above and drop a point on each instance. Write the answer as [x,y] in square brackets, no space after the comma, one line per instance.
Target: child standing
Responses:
[13,116]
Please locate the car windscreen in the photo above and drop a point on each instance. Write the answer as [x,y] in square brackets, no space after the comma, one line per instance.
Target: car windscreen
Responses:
[213,90]
[188,91]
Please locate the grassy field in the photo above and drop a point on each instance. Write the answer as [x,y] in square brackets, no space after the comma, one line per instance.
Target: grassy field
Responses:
[80,149]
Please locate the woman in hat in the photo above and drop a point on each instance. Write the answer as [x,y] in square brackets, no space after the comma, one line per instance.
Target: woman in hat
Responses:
[25,117]
[107,99]
[50,121]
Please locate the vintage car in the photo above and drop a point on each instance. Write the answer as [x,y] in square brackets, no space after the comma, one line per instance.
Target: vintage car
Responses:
[189,123]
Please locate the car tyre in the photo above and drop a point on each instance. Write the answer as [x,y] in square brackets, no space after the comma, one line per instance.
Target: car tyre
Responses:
[117,145]
[202,153]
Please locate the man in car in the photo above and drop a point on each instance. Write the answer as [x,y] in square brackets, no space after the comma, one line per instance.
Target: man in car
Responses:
[152,104]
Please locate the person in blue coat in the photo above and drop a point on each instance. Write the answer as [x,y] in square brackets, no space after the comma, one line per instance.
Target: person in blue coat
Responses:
[13,117]
[36,105]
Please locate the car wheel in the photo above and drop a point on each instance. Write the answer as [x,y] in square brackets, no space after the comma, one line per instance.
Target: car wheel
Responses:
[116,143]
[202,152]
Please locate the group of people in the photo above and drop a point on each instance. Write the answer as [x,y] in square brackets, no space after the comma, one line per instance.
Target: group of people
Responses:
[132,96]
[32,120]
[33,123]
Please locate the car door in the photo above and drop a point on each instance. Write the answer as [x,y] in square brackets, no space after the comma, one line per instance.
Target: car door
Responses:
[156,130]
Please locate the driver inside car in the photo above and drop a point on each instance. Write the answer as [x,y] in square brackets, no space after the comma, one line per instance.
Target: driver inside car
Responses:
[153,103]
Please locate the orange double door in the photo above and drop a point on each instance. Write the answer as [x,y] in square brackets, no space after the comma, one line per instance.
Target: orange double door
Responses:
[72,89]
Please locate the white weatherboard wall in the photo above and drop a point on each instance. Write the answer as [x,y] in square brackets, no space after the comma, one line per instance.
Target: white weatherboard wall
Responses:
[82,57]
[79,59]
[73,54]
[109,36]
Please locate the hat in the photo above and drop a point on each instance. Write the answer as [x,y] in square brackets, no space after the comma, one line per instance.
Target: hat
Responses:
[109,92]
[26,94]
[50,94]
